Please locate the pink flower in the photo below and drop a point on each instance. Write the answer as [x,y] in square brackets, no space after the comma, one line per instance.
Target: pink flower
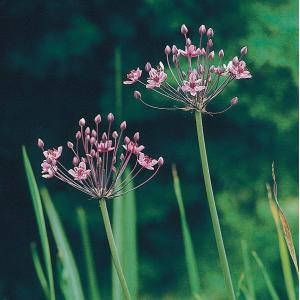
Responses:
[133,147]
[190,51]
[53,153]
[133,76]
[105,146]
[193,85]
[156,78]
[80,173]
[48,169]
[146,161]
[238,69]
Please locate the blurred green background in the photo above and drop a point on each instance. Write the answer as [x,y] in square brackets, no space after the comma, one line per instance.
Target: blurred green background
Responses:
[57,65]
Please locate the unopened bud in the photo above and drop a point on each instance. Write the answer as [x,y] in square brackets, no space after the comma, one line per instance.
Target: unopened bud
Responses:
[188,42]
[168,50]
[244,50]
[40,143]
[78,135]
[75,160]
[210,43]
[123,125]
[70,145]
[174,50]
[81,122]
[148,67]
[184,29]
[202,29]
[115,135]
[234,101]
[97,119]
[94,133]
[210,32]
[104,137]
[211,55]
[87,131]
[136,136]
[110,117]
[126,140]
[160,161]
[137,95]
[221,53]
[92,140]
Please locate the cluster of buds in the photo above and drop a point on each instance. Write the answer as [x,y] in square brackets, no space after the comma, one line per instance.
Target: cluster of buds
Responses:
[100,159]
[197,75]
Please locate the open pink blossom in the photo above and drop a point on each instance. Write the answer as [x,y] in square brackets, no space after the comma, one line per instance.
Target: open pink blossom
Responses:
[238,69]
[190,51]
[146,161]
[80,173]
[193,85]
[156,78]
[133,76]
[99,161]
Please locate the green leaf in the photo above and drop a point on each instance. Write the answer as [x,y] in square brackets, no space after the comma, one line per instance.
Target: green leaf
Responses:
[64,249]
[94,293]
[266,276]
[39,214]
[190,257]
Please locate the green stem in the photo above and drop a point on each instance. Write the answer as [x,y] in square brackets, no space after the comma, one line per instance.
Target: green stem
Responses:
[113,248]
[212,208]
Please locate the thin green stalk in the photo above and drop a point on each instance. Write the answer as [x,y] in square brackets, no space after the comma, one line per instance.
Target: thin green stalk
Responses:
[212,208]
[113,248]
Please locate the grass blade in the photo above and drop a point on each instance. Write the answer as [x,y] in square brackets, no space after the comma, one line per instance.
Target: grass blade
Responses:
[94,293]
[39,270]
[190,257]
[268,281]
[63,246]
[284,255]
[248,272]
[39,214]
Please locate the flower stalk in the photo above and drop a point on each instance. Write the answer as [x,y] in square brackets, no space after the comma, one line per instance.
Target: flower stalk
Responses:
[113,248]
[212,207]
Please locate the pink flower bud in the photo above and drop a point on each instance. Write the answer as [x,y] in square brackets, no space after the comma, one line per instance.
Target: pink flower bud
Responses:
[104,137]
[94,133]
[210,43]
[234,101]
[110,117]
[87,131]
[160,161]
[174,50]
[203,52]
[92,140]
[244,50]
[235,61]
[126,140]
[75,160]
[137,95]
[202,29]
[115,135]
[40,143]
[188,42]
[136,136]
[148,67]
[210,32]
[184,29]
[82,122]
[211,55]
[221,53]
[78,135]
[70,145]
[122,157]
[123,125]
[168,50]
[97,119]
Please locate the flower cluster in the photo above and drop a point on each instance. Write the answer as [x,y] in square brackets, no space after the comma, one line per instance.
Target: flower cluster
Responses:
[197,74]
[99,161]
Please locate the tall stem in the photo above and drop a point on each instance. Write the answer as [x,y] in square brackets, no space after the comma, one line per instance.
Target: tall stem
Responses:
[212,207]
[113,248]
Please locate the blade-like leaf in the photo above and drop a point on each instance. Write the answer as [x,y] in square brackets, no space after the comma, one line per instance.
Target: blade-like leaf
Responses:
[64,248]
[39,270]
[190,257]
[284,224]
[268,281]
[39,214]
[284,255]
[94,293]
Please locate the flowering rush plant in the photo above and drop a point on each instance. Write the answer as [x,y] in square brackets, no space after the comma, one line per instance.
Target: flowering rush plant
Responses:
[99,160]
[197,75]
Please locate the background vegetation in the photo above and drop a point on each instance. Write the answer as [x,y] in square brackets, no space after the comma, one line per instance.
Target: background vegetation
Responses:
[57,65]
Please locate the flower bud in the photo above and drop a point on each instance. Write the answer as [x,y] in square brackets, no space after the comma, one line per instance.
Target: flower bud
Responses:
[168,50]
[104,137]
[184,29]
[136,136]
[137,95]
[110,117]
[123,125]
[75,160]
[188,42]
[202,29]
[92,140]
[160,161]
[97,119]
[221,53]
[234,101]
[87,131]
[235,61]
[115,135]
[210,43]
[148,67]
[210,32]
[70,145]
[174,50]
[40,143]
[78,135]
[126,140]
[211,55]
[94,133]
[244,50]
[81,122]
